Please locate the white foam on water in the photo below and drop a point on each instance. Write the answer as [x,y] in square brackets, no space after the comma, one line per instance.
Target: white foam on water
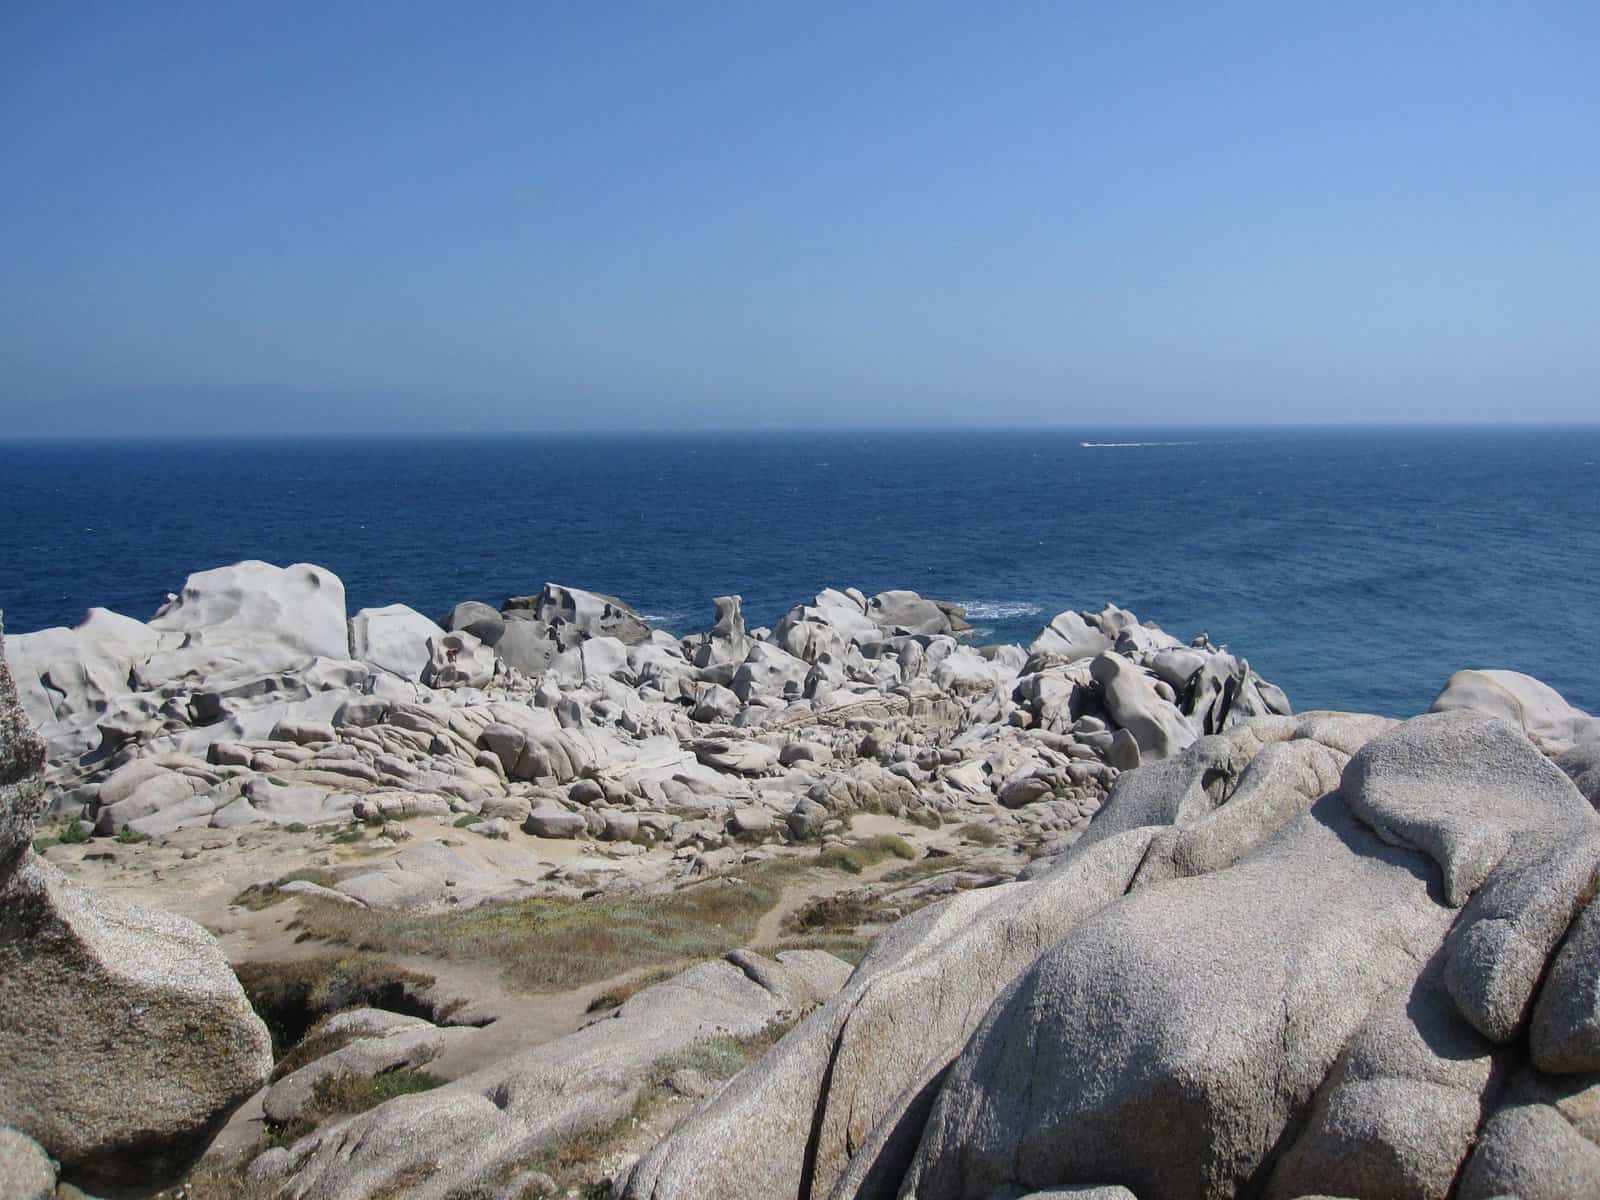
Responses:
[1000,610]
[668,618]
[1128,445]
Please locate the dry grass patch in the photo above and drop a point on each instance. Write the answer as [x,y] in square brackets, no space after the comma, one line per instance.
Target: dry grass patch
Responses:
[619,994]
[547,944]
[845,944]
[572,1163]
[214,1181]
[344,1095]
[978,832]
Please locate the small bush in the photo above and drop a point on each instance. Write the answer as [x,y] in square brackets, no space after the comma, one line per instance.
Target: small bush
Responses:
[295,827]
[466,819]
[923,868]
[845,910]
[925,817]
[263,895]
[892,843]
[343,1095]
[722,1056]
[858,856]
[572,1162]
[851,947]
[347,836]
[131,837]
[977,831]
[70,834]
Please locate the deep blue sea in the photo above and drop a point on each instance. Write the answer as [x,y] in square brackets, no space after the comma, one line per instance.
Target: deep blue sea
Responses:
[1355,568]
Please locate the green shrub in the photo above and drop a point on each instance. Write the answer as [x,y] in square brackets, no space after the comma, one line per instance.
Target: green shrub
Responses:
[977,831]
[263,895]
[71,833]
[855,857]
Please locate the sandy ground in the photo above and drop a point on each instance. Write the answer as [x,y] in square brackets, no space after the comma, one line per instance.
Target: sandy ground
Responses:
[198,873]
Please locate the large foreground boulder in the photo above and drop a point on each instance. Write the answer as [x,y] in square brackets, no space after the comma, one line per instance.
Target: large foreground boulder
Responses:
[26,1172]
[1170,1042]
[21,787]
[1296,958]
[125,1039]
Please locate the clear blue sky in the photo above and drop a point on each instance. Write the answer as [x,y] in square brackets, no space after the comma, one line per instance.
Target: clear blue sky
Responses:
[587,215]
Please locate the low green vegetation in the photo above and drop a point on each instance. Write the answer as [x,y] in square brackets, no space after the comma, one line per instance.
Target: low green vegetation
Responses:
[841,911]
[131,837]
[347,836]
[850,946]
[923,868]
[978,832]
[466,819]
[263,895]
[345,1095]
[548,944]
[69,833]
[856,857]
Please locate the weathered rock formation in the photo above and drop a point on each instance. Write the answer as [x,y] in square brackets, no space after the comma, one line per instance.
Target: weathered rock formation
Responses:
[124,1037]
[1302,956]
[241,702]
[435,1144]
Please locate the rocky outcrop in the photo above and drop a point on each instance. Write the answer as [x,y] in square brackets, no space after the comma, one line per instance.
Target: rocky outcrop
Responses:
[440,1142]
[21,779]
[1314,968]
[236,706]
[125,1039]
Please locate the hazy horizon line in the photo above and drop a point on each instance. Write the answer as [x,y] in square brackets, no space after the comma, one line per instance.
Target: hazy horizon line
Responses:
[748,430]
